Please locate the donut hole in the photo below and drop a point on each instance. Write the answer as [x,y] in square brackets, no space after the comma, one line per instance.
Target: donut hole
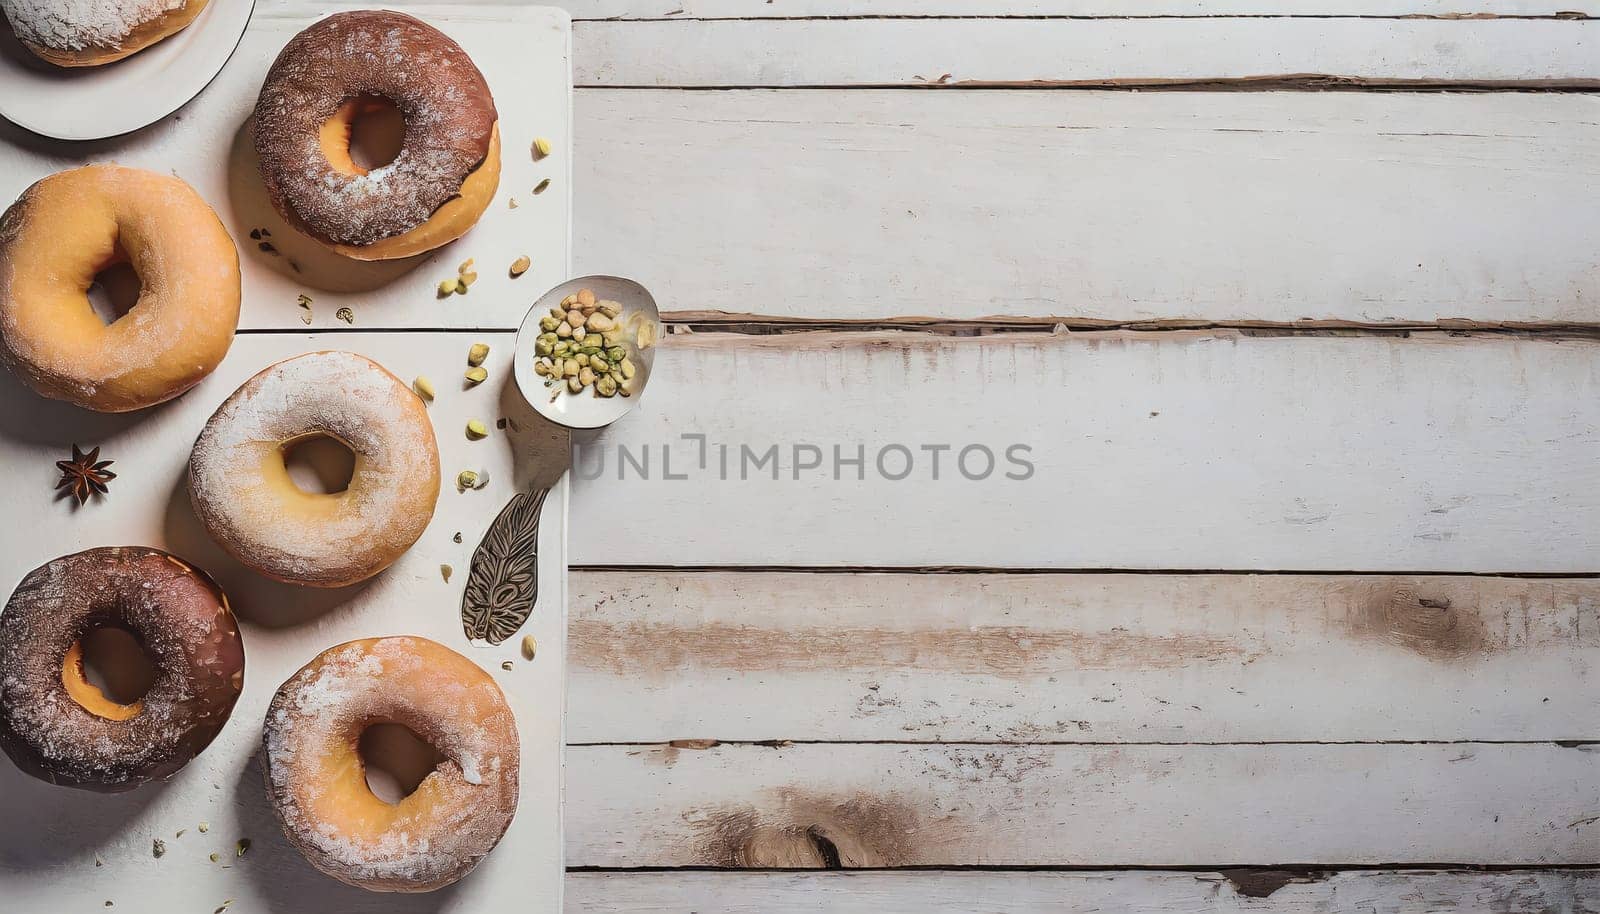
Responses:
[319,464]
[115,290]
[108,671]
[366,133]
[396,760]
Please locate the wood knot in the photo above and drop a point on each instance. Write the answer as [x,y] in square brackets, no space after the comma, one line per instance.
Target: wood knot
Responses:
[806,832]
[1426,622]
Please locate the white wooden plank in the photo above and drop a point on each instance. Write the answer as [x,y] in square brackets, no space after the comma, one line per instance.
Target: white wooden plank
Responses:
[1160,451]
[1097,206]
[891,805]
[792,9]
[1281,892]
[524,55]
[51,831]
[911,52]
[657,656]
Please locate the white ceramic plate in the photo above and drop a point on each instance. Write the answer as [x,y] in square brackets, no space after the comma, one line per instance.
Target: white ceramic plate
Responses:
[91,103]
[584,410]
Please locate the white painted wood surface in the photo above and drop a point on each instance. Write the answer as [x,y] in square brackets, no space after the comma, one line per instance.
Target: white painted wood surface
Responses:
[53,836]
[524,54]
[1371,892]
[795,9]
[1151,451]
[667,53]
[1097,206]
[663,655]
[940,805]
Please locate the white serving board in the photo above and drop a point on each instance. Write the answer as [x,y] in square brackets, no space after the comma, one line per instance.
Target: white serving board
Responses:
[51,837]
[524,54]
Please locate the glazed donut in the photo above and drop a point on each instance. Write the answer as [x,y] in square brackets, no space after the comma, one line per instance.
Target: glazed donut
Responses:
[91,34]
[59,727]
[70,226]
[316,778]
[241,490]
[449,162]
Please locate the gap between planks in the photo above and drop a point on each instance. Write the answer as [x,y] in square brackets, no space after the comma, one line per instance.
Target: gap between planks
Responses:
[647,568]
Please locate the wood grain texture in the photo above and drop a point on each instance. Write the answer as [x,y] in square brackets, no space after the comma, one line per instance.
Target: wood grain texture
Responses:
[1232,892]
[1097,207]
[922,52]
[806,806]
[1117,9]
[1147,451]
[656,656]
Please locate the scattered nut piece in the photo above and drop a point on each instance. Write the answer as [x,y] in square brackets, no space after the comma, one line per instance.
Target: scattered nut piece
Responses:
[180,833]
[204,827]
[477,354]
[476,376]
[465,265]
[445,571]
[541,148]
[466,479]
[506,666]
[476,429]
[520,266]
[529,647]
[423,387]
[158,848]
[467,279]
[448,287]
[215,857]
[456,538]
[305,307]
[241,846]
[513,202]
[346,315]
[542,186]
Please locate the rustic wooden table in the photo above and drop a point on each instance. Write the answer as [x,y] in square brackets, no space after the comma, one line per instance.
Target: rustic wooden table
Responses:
[1292,302]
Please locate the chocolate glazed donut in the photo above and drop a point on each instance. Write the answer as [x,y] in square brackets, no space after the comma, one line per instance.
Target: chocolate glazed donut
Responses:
[60,728]
[328,74]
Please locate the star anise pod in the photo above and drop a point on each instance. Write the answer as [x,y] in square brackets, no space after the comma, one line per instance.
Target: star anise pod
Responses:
[85,473]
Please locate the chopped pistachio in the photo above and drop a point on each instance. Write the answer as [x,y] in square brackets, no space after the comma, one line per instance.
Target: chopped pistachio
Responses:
[520,266]
[158,848]
[241,846]
[204,827]
[346,315]
[541,148]
[506,665]
[529,647]
[476,429]
[477,354]
[476,376]
[448,286]
[215,857]
[423,387]
[542,186]
[466,479]
[445,571]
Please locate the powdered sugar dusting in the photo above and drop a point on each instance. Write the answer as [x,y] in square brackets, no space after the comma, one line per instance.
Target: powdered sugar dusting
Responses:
[75,25]
[458,813]
[180,619]
[391,495]
[448,111]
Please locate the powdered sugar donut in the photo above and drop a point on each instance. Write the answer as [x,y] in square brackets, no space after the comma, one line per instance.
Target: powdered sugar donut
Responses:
[59,727]
[317,781]
[448,166]
[88,33]
[242,492]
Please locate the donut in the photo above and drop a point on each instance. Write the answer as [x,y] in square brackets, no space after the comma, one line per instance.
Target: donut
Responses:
[316,778]
[241,489]
[449,161]
[89,34]
[70,226]
[58,726]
